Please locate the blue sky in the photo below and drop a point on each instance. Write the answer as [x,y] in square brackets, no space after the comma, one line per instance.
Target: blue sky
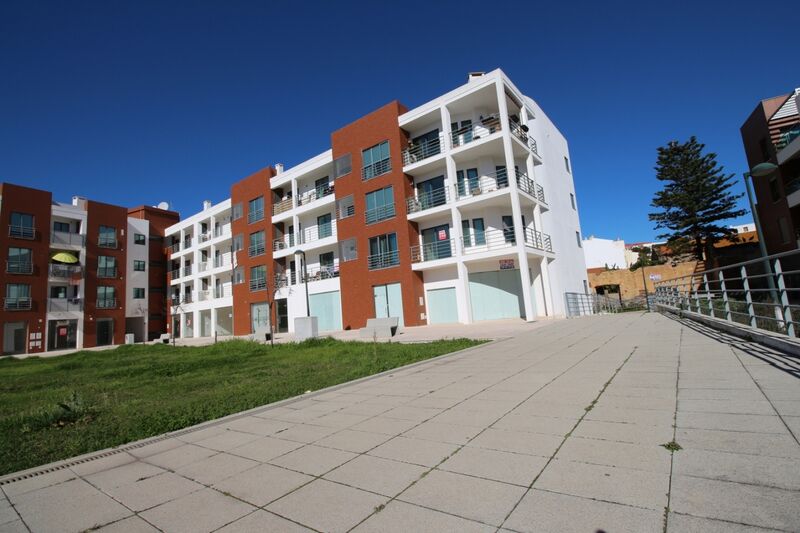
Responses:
[138,102]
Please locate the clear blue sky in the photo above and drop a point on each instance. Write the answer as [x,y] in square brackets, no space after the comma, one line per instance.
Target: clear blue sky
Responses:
[137,102]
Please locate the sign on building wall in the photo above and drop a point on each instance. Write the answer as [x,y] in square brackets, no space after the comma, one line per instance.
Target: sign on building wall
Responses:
[506,264]
[655,277]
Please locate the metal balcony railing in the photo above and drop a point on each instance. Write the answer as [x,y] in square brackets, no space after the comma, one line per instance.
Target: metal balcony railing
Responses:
[521,132]
[202,266]
[224,229]
[106,303]
[761,293]
[256,249]
[223,291]
[64,305]
[486,183]
[106,272]
[63,238]
[486,126]
[493,239]
[318,232]
[423,150]
[16,266]
[427,200]
[282,206]
[383,260]
[187,270]
[433,250]
[175,273]
[537,239]
[64,271]
[204,237]
[258,284]
[379,213]
[187,242]
[22,232]
[107,242]
[17,303]
[283,243]
[255,215]
[376,169]
[315,194]
[321,272]
[221,261]
[280,279]
[174,248]
[787,137]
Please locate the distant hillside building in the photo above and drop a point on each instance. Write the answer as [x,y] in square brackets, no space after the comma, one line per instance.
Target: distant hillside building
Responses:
[601,253]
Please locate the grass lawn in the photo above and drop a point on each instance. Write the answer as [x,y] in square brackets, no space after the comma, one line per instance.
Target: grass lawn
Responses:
[59,407]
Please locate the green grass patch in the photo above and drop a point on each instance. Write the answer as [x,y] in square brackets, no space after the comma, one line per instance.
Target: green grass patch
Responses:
[56,408]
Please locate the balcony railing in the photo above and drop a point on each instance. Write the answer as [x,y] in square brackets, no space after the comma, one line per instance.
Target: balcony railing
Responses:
[174,248]
[221,261]
[423,150]
[787,137]
[432,251]
[282,206]
[321,272]
[256,249]
[107,272]
[484,127]
[376,169]
[482,184]
[106,303]
[22,232]
[383,260]
[255,215]
[175,273]
[187,270]
[427,200]
[490,239]
[64,305]
[537,239]
[224,229]
[530,187]
[223,291]
[258,284]
[107,242]
[16,266]
[280,279]
[379,213]
[203,266]
[283,243]
[187,242]
[204,237]
[64,271]
[18,303]
[318,232]
[315,194]
[521,132]
[64,238]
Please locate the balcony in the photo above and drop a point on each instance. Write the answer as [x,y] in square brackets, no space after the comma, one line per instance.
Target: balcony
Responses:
[203,266]
[18,303]
[423,150]
[187,270]
[322,272]
[280,279]
[787,137]
[204,237]
[107,242]
[530,187]
[221,261]
[487,125]
[16,266]
[379,213]
[256,249]
[223,230]
[537,239]
[284,243]
[282,206]
[65,271]
[258,284]
[106,303]
[383,260]
[174,248]
[65,305]
[222,291]
[520,131]
[318,232]
[187,242]
[62,238]
[203,296]
[107,272]
[478,185]
[315,194]
[376,169]
[433,250]
[22,232]
[491,239]
[427,200]
[255,216]
[175,273]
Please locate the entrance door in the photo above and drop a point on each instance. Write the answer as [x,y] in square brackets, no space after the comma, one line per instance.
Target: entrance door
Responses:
[467,182]
[388,301]
[14,334]
[324,226]
[283,315]
[105,331]
[496,294]
[62,334]
[442,306]
[508,229]
[436,243]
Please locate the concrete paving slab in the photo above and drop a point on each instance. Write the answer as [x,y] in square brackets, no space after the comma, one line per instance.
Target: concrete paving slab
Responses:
[513,468]
[123,475]
[353,441]
[180,456]
[536,424]
[624,432]
[415,451]
[263,484]
[37,482]
[151,491]
[517,442]
[132,524]
[447,433]
[266,448]
[731,422]
[261,521]
[679,523]
[258,426]
[652,458]
[102,463]
[400,517]
[16,526]
[215,468]
[204,510]
[742,468]
[377,475]
[313,460]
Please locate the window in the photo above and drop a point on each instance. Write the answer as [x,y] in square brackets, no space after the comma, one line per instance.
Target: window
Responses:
[380,205]
[322,187]
[256,244]
[585,287]
[774,189]
[783,226]
[383,252]
[578,239]
[21,226]
[572,200]
[138,293]
[138,238]
[106,297]
[508,229]
[326,265]
[18,297]
[348,250]
[20,261]
[238,242]
[476,236]
[258,278]
[237,211]
[255,209]
[139,266]
[469,183]
[107,237]
[238,275]
[62,227]
[345,207]
[106,267]
[259,316]
[342,166]
[566,164]
[324,226]
[375,161]
[58,293]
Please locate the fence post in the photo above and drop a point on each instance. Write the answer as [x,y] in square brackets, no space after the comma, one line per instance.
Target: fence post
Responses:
[724,290]
[787,311]
[708,296]
[696,297]
[747,296]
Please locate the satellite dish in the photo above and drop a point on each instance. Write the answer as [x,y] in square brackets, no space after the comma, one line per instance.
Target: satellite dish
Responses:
[164,206]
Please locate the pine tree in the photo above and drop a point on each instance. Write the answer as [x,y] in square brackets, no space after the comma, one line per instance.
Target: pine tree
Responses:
[696,196]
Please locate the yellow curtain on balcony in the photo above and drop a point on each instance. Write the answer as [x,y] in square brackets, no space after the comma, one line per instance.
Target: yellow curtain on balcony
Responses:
[64,257]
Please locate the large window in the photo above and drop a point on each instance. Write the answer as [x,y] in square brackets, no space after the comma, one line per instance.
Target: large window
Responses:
[345,207]
[578,238]
[348,250]
[259,316]
[107,237]
[21,226]
[138,238]
[139,266]
[238,242]
[138,293]
[258,278]
[475,234]
[324,226]
[237,211]
[18,296]
[61,227]
[106,297]
[383,252]
[342,166]
[20,261]
[375,161]
[106,267]
[380,205]
[256,243]
[255,209]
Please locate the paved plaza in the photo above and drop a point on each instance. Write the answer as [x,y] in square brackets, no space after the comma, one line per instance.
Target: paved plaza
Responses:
[560,427]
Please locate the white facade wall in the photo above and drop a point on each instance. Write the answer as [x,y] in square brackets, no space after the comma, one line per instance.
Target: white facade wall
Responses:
[135,279]
[604,252]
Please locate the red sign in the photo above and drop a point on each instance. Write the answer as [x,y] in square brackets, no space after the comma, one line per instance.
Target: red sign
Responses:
[442,235]
[506,264]
[62,332]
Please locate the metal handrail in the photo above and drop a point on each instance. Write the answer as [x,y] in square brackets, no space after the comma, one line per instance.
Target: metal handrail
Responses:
[258,284]
[486,183]
[383,260]
[537,239]
[63,305]
[432,251]
[256,249]
[378,168]
[22,232]
[427,148]
[174,247]
[519,132]
[379,213]
[255,216]
[106,303]
[64,271]
[17,303]
[318,232]
[187,270]
[282,206]
[106,272]
[489,124]
[67,238]
[16,266]
[322,272]
[427,200]
[314,194]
